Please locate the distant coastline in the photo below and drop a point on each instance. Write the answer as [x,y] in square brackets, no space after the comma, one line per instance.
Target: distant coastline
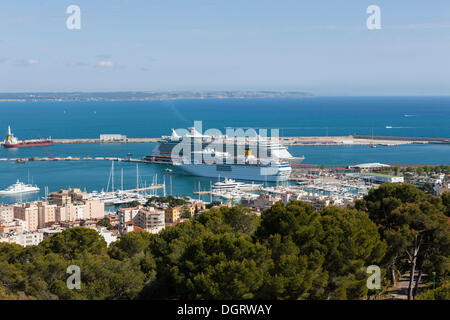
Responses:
[148,95]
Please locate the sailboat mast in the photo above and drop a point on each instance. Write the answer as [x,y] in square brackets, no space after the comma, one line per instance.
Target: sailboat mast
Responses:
[112,175]
[164,185]
[137,178]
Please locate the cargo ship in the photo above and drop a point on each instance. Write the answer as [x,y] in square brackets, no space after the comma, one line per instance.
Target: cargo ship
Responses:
[12,142]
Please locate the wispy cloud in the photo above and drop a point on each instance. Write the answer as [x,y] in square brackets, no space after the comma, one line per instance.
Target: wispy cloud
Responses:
[26,63]
[105,64]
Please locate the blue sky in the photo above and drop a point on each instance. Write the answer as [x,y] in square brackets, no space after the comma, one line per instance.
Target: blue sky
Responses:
[317,46]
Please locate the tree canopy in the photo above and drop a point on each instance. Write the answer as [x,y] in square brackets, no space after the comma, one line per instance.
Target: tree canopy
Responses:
[289,252]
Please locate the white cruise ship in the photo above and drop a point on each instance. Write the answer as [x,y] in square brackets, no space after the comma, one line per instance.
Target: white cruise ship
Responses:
[220,164]
[263,147]
[19,187]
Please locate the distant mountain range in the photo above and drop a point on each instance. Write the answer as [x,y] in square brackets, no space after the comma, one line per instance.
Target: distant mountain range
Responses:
[149,95]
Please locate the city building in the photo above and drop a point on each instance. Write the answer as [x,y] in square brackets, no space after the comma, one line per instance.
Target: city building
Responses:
[74,204]
[49,231]
[172,215]
[150,219]
[127,215]
[28,212]
[46,214]
[24,239]
[369,167]
[441,189]
[107,235]
[64,197]
[257,205]
[93,209]
[6,213]
[15,225]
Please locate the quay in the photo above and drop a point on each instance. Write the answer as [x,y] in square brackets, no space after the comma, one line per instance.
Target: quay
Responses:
[298,141]
[166,162]
[97,140]
[201,192]
[69,158]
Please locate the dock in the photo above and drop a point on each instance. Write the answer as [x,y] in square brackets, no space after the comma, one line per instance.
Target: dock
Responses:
[202,192]
[154,187]
[299,141]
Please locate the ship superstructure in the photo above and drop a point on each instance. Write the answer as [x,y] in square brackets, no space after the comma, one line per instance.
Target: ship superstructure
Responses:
[12,142]
[263,147]
[19,187]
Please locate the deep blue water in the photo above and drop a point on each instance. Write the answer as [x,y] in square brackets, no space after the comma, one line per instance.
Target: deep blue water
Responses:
[408,116]
[428,117]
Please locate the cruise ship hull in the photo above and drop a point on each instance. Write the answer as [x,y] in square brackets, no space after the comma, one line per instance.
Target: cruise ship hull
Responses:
[237,171]
[13,193]
[165,149]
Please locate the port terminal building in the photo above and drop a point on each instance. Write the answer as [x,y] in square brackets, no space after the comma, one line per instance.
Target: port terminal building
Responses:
[113,138]
[381,178]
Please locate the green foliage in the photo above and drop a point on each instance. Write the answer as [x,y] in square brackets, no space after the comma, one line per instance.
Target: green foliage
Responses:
[105,223]
[185,214]
[130,244]
[411,221]
[213,204]
[41,271]
[427,188]
[132,204]
[440,293]
[290,252]
[74,241]
[171,201]
[446,201]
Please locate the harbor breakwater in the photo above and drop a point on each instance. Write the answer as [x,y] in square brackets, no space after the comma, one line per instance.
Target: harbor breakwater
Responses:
[298,141]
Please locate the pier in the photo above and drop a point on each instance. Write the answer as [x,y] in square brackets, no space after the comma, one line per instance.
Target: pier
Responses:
[154,187]
[97,140]
[299,141]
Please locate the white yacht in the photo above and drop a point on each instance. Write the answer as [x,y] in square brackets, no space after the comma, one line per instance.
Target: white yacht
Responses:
[19,187]
[230,184]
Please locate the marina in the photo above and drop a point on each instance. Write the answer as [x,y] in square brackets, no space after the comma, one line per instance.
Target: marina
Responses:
[345,141]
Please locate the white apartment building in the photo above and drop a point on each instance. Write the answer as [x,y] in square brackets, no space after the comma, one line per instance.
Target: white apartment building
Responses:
[24,239]
[6,213]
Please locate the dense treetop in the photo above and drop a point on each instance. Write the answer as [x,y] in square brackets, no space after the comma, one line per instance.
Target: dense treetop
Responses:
[290,252]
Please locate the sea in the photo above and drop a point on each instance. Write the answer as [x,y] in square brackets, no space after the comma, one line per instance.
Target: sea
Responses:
[318,116]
